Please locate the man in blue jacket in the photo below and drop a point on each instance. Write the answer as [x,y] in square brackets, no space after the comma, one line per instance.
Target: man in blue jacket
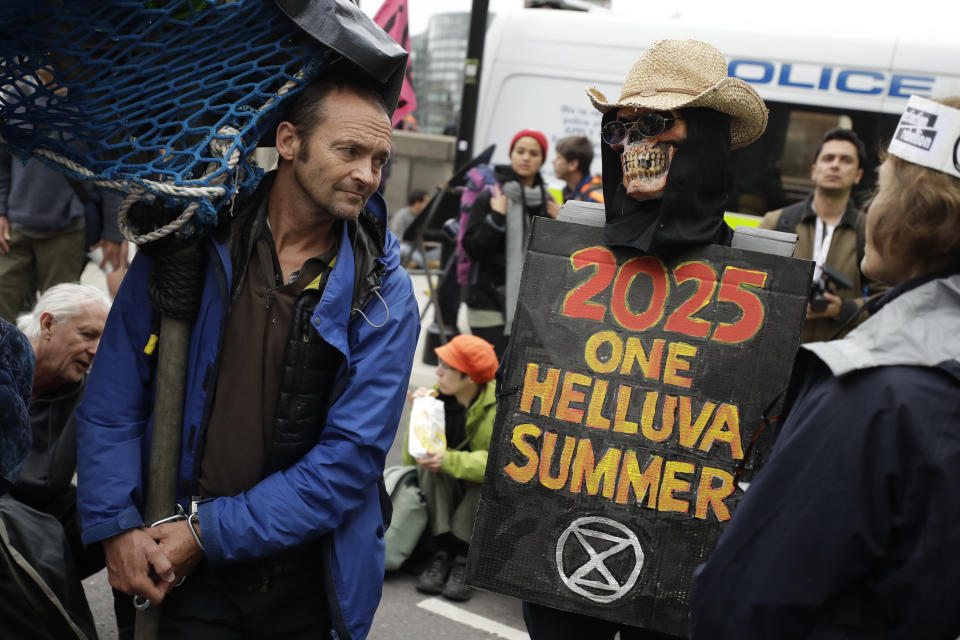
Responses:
[299,362]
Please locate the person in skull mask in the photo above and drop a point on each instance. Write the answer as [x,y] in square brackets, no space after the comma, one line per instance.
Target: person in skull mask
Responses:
[667,143]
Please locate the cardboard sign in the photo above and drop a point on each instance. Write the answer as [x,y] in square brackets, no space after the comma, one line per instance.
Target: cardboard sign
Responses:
[633,391]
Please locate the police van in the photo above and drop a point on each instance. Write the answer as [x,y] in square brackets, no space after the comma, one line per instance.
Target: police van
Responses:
[537,64]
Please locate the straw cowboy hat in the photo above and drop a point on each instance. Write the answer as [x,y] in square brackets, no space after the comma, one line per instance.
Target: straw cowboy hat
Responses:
[672,74]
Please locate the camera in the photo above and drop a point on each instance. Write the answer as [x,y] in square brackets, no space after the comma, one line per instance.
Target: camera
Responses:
[830,278]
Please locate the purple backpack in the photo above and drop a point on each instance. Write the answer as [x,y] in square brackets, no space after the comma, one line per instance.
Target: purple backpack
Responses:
[478,179]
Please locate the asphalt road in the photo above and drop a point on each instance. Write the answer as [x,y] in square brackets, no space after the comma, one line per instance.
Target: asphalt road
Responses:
[404,613]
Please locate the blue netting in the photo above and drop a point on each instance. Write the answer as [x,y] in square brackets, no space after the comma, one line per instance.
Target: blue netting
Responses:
[141,88]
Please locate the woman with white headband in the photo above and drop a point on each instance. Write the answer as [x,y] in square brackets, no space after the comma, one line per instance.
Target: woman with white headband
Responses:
[852,529]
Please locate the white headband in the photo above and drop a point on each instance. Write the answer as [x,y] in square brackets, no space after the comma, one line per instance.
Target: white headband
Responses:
[928,134]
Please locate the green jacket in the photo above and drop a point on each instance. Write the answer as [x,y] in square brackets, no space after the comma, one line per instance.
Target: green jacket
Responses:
[468,460]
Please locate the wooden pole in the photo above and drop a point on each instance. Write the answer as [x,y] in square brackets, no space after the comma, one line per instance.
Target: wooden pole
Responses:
[172,356]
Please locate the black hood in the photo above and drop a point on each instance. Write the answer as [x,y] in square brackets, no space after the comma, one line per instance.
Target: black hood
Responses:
[690,213]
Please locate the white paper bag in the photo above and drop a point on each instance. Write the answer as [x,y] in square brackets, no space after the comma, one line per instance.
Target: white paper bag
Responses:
[427,428]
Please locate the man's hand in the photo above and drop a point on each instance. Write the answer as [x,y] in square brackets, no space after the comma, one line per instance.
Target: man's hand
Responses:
[177,543]
[4,235]
[432,461]
[113,252]
[835,304]
[137,566]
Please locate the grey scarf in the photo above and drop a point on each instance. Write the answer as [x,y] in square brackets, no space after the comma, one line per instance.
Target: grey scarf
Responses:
[519,198]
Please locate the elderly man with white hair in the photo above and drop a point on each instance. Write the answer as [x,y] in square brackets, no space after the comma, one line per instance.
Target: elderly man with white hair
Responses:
[64,330]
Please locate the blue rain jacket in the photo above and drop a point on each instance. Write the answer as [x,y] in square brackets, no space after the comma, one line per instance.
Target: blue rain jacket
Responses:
[330,494]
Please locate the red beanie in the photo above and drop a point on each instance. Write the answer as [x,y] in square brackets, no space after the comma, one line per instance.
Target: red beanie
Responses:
[536,135]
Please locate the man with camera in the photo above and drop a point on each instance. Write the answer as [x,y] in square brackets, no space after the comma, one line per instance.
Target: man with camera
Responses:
[829,232]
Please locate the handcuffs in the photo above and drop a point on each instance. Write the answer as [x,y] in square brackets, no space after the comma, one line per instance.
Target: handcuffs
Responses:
[141,603]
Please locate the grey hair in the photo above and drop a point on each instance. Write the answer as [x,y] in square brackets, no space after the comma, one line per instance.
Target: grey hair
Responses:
[62,301]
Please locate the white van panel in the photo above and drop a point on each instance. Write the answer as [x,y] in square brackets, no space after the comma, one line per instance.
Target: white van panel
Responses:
[539,62]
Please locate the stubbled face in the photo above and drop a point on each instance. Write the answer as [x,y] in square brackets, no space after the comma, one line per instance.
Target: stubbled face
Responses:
[338,166]
[646,160]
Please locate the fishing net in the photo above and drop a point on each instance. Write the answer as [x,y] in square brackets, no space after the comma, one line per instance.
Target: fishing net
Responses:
[150,97]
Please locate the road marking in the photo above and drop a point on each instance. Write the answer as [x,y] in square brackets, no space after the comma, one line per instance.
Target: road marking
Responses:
[455,613]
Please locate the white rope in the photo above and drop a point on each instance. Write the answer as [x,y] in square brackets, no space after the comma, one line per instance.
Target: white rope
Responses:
[223,143]
[218,146]
[165,188]
[136,192]
[287,86]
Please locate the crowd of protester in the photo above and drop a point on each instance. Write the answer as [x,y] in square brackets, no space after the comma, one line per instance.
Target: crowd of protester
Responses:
[860,521]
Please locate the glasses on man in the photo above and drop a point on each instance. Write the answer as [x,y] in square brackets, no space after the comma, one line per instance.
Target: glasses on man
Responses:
[647,125]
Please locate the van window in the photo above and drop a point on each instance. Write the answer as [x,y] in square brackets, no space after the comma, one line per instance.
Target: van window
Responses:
[774,171]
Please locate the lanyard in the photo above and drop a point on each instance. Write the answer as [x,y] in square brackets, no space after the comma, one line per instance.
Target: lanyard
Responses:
[822,235]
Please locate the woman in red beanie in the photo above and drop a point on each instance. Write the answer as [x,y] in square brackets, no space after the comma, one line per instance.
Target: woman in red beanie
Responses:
[497,233]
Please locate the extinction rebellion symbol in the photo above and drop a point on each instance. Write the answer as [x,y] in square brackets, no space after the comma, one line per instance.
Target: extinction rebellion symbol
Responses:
[599,558]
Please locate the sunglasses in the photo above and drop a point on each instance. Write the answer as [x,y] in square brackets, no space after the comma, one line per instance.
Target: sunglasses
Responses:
[646,126]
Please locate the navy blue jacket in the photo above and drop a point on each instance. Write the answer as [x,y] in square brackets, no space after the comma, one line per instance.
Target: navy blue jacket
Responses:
[852,529]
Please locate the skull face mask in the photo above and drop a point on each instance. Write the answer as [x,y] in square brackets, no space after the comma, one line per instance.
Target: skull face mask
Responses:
[646,141]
